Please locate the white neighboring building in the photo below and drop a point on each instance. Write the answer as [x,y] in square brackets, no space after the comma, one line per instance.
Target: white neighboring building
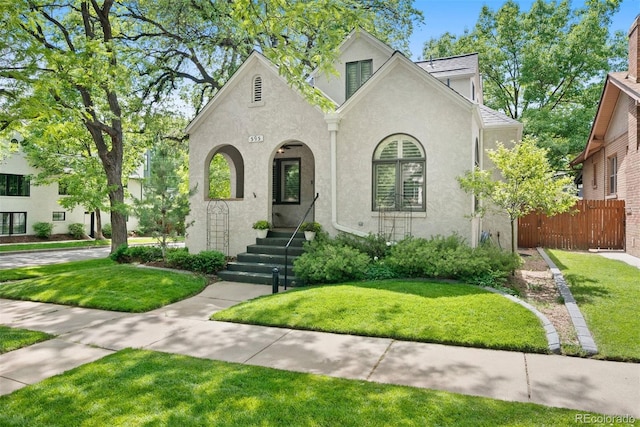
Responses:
[23,204]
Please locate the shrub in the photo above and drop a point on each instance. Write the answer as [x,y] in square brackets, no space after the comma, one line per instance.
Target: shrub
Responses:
[106,230]
[374,245]
[43,229]
[144,253]
[263,224]
[311,226]
[380,271]
[330,263]
[207,262]
[77,230]
[120,254]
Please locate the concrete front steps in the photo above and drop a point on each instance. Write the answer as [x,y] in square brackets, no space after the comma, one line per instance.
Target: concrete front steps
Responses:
[257,263]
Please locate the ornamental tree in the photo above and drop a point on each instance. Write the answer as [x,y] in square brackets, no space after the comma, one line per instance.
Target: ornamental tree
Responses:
[522,182]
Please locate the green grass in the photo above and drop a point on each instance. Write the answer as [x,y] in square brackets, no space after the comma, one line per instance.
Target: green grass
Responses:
[608,295]
[52,245]
[118,287]
[20,273]
[136,387]
[14,338]
[445,313]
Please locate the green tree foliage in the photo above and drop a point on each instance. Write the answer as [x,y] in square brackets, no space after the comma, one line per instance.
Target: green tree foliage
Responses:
[163,208]
[524,183]
[544,66]
[219,178]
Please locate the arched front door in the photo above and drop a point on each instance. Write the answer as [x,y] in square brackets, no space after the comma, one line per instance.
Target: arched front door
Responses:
[292,184]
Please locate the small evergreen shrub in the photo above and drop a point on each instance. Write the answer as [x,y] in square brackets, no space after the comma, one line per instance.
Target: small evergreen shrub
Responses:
[106,231]
[380,271]
[43,229]
[330,263]
[76,230]
[179,258]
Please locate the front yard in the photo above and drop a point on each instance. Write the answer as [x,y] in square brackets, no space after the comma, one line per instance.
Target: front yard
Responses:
[134,387]
[412,310]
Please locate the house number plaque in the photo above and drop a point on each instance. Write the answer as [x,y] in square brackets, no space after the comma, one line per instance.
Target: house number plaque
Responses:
[256,138]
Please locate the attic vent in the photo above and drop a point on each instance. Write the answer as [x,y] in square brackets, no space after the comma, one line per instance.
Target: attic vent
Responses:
[257,89]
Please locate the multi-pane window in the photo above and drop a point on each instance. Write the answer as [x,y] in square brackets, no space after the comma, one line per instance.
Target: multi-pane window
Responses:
[286,181]
[358,72]
[613,174]
[14,185]
[399,174]
[13,223]
[58,216]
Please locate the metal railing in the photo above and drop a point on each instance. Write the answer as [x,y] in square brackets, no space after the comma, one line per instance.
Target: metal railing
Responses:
[286,247]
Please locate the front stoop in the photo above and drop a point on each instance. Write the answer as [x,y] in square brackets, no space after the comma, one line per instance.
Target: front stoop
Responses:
[257,263]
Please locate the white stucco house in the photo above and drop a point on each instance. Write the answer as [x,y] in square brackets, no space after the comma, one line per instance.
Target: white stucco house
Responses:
[384,160]
[23,203]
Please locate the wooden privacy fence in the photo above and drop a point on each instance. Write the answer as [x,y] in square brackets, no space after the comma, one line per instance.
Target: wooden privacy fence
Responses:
[596,224]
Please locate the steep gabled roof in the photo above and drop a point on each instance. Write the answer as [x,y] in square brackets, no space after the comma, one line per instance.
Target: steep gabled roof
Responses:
[252,59]
[493,118]
[614,84]
[452,66]
[399,59]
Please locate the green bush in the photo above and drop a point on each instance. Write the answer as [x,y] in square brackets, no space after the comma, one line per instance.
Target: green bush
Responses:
[373,245]
[207,262]
[121,254]
[106,231]
[451,258]
[43,229]
[126,254]
[330,263]
[179,258]
[380,271]
[77,230]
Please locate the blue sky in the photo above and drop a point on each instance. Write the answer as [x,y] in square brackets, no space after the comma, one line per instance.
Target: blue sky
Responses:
[456,15]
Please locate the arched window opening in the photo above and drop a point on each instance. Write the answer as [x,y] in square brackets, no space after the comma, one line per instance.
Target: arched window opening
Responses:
[219,178]
[225,174]
[399,174]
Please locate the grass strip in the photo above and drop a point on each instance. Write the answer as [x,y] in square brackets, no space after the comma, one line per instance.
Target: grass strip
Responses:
[14,247]
[136,387]
[607,292]
[14,338]
[20,273]
[424,311]
[120,287]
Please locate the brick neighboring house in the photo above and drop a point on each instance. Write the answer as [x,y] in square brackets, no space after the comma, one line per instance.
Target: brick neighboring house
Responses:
[611,158]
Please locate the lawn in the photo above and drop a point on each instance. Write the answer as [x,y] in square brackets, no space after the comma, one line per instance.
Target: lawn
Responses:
[53,245]
[410,310]
[136,387]
[608,295]
[14,338]
[119,287]
[20,273]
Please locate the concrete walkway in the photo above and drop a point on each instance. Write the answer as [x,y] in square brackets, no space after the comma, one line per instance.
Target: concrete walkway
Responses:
[621,256]
[86,335]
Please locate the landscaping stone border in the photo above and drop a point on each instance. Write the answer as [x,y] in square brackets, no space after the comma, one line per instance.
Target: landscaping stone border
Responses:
[553,339]
[584,335]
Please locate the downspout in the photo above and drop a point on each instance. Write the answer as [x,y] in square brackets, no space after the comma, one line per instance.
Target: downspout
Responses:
[333,122]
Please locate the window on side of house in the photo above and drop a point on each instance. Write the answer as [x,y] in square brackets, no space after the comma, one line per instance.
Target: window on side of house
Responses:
[594,179]
[399,174]
[357,73]
[58,216]
[286,181]
[613,174]
[14,185]
[13,223]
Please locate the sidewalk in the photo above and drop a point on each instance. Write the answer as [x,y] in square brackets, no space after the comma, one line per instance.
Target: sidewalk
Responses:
[86,335]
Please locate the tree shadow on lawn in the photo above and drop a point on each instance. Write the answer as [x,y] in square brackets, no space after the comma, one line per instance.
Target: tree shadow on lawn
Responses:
[132,386]
[427,288]
[585,290]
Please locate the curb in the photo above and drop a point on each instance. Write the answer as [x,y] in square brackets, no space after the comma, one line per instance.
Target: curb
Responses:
[553,339]
[584,335]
